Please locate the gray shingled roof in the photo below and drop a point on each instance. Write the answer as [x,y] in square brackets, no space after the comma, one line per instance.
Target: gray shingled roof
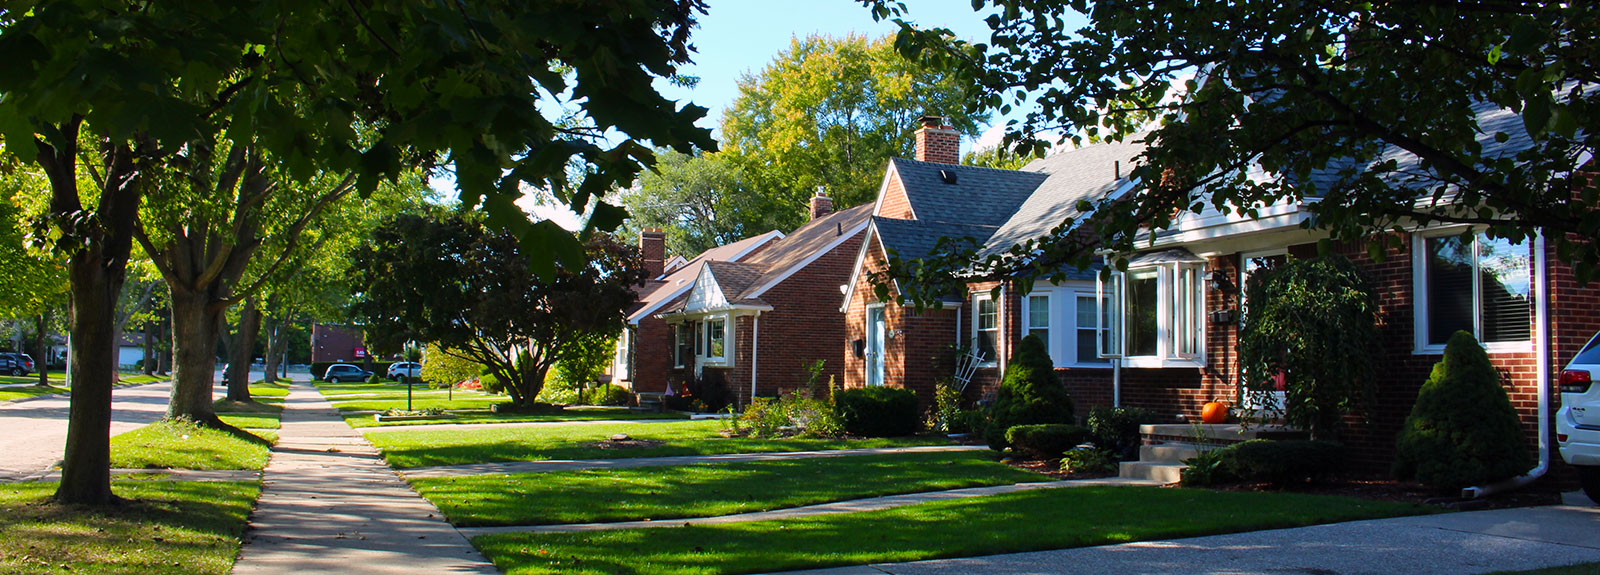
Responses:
[1087,173]
[979,196]
[915,239]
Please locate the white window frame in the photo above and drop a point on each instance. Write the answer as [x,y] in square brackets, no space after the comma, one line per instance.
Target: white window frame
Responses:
[1062,300]
[727,342]
[1168,277]
[1075,296]
[1419,292]
[977,299]
[625,343]
[682,333]
[1051,338]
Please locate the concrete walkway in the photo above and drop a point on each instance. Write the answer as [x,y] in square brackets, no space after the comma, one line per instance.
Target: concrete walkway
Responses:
[330,505]
[852,506]
[624,463]
[1450,544]
[33,431]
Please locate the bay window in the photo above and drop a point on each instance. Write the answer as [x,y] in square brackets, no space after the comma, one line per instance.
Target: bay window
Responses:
[1472,283]
[1151,315]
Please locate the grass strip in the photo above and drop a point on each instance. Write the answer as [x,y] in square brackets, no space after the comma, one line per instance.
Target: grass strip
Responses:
[418,402]
[706,490]
[11,393]
[164,528]
[249,414]
[488,417]
[171,444]
[56,376]
[430,447]
[345,388]
[1008,523]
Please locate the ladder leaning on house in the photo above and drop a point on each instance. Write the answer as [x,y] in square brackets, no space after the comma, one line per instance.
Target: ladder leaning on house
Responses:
[967,364]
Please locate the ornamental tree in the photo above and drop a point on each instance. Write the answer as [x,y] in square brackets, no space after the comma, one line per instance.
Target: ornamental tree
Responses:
[1300,89]
[1312,323]
[470,292]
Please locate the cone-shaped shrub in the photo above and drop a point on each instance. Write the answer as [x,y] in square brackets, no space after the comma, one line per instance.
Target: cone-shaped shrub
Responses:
[1029,394]
[1462,430]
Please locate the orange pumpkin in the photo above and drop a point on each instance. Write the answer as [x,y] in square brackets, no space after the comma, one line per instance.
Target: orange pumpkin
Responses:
[1214,412]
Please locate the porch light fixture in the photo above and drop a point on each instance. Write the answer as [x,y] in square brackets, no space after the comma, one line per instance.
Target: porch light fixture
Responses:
[1218,282]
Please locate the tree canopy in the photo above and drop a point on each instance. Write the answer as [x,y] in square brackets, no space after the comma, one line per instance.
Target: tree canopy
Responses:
[1313,92]
[701,201]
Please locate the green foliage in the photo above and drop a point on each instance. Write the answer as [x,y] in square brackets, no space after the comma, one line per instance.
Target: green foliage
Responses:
[1209,467]
[878,411]
[441,368]
[1030,393]
[1462,430]
[1116,429]
[586,358]
[999,157]
[792,413]
[1284,463]
[947,415]
[701,201]
[1317,93]
[557,390]
[453,282]
[1088,460]
[607,395]
[1047,440]
[1315,322]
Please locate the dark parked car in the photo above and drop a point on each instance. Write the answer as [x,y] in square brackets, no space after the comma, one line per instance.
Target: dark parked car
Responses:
[342,372]
[16,363]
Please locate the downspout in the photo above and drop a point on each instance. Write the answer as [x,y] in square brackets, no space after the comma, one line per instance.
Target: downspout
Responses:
[1541,329]
[1116,381]
[755,353]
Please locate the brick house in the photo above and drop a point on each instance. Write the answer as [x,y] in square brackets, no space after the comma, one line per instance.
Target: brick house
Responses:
[336,343]
[1173,317]
[755,317]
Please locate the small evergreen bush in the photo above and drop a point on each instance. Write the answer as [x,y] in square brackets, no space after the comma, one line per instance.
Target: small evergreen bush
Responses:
[1046,441]
[1029,394]
[1116,429]
[1284,463]
[1208,468]
[878,411]
[607,395]
[1088,460]
[1463,430]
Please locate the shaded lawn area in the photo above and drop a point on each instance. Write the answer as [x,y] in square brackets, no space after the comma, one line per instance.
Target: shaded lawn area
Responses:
[344,388]
[706,490]
[1015,522]
[181,445]
[418,402]
[10,393]
[430,447]
[485,416]
[250,415]
[167,527]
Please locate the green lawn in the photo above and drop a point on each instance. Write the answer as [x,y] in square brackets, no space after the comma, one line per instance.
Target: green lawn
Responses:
[424,448]
[706,490]
[343,388]
[486,416]
[56,377]
[418,402]
[264,389]
[249,415]
[1025,521]
[179,445]
[10,393]
[176,528]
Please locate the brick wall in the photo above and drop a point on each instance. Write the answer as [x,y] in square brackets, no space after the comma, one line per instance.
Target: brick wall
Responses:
[920,354]
[652,356]
[938,143]
[805,324]
[895,204]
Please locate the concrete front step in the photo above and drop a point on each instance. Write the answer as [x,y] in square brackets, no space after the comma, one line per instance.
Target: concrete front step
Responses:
[1163,472]
[1172,452]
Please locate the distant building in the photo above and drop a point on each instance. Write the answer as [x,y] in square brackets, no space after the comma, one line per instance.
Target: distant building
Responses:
[336,343]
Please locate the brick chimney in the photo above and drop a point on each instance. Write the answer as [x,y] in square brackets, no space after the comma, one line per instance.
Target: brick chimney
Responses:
[938,141]
[653,247]
[821,204]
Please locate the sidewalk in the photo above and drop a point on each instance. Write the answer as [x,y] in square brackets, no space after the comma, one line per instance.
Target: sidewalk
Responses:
[33,431]
[624,463]
[330,505]
[1448,544]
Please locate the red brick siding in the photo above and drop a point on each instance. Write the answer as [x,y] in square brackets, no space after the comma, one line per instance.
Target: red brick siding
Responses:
[894,203]
[805,324]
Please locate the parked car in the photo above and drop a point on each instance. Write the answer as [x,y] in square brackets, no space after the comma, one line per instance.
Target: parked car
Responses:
[342,372]
[402,371]
[1578,421]
[16,363]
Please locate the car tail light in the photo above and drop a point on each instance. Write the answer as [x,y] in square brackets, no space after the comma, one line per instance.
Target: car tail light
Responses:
[1574,381]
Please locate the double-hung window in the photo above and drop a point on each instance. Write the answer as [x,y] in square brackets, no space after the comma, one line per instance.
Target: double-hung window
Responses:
[1476,284]
[716,339]
[1038,316]
[986,326]
[684,345]
[1151,315]
[1089,329]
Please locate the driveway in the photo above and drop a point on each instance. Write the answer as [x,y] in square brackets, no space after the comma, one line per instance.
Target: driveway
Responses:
[33,432]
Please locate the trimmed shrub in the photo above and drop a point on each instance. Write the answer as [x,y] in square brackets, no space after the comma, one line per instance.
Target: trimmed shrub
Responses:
[1284,463]
[1088,460]
[1029,394]
[878,411]
[1462,431]
[1116,429]
[607,395]
[1046,441]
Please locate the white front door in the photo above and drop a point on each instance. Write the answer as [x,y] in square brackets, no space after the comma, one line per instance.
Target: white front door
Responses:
[875,336]
[1252,262]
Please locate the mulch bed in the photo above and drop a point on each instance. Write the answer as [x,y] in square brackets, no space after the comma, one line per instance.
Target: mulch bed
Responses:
[625,443]
[1373,489]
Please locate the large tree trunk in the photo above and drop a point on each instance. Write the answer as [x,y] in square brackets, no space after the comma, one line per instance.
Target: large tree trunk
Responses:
[164,361]
[41,346]
[243,349]
[195,329]
[149,363]
[277,342]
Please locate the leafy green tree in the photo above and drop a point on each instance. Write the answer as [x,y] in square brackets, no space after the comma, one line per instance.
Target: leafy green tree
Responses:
[1312,91]
[117,88]
[1030,393]
[830,112]
[1000,157]
[701,201]
[1312,322]
[472,293]
[1462,430]
[586,359]
[446,369]
[35,281]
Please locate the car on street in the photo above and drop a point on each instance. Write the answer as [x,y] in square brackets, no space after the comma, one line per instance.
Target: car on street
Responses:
[1578,421]
[403,371]
[344,372]
[15,364]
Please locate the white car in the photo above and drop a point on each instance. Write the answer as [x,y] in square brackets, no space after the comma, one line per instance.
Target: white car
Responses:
[402,371]
[1578,421]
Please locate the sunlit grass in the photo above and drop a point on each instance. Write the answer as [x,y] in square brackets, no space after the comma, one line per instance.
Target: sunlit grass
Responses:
[182,445]
[10,393]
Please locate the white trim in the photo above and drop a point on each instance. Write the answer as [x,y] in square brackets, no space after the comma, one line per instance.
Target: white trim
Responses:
[883,345]
[861,257]
[1167,281]
[976,302]
[847,236]
[645,312]
[1419,295]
